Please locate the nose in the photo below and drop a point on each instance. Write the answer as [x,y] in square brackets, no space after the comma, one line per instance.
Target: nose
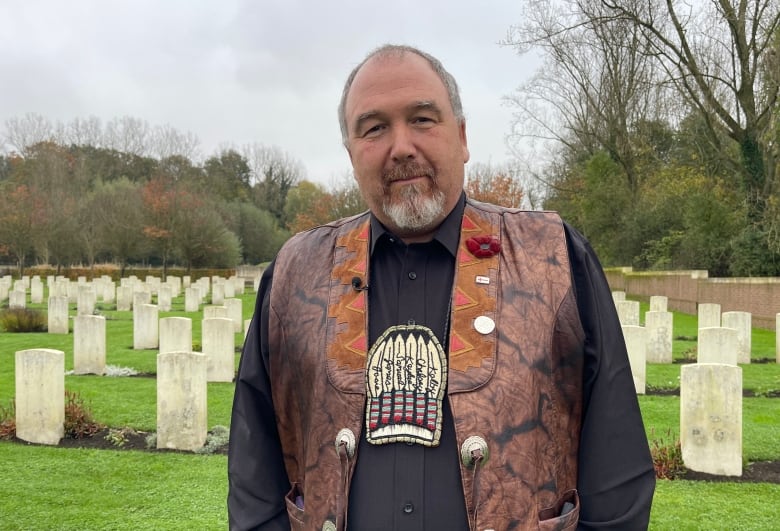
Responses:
[403,148]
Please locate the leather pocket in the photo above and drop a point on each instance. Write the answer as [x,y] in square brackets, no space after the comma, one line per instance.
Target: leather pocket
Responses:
[295,510]
[563,516]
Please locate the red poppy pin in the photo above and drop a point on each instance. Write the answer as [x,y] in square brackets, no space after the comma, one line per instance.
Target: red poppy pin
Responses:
[483,246]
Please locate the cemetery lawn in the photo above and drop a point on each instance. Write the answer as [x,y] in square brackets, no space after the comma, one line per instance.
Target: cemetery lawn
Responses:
[104,486]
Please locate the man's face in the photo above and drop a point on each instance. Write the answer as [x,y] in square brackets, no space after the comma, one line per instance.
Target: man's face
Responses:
[407,148]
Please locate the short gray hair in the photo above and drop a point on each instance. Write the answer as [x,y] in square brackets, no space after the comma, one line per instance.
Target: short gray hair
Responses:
[398,50]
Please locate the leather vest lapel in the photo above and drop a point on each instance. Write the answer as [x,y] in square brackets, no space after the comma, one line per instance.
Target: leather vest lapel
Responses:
[473,354]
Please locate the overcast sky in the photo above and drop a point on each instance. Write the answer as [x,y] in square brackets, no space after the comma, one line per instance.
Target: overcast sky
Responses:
[242,71]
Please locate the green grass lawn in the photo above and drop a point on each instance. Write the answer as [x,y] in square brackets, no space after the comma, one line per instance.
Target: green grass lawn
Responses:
[77,489]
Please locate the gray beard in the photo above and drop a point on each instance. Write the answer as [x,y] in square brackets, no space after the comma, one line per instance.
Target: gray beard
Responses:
[416,210]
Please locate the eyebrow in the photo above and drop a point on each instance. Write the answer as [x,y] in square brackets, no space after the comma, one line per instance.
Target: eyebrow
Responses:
[415,106]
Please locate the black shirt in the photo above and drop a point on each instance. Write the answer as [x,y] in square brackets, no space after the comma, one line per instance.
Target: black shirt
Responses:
[410,487]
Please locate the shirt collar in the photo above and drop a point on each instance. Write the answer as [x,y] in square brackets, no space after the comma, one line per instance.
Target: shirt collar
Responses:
[447,235]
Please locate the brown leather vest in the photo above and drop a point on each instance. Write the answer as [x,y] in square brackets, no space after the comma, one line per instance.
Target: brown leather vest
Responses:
[518,388]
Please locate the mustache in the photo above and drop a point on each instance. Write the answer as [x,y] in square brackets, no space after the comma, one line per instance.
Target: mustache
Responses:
[407,171]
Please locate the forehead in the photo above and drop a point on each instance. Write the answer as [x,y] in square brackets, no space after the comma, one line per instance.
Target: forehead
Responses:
[394,79]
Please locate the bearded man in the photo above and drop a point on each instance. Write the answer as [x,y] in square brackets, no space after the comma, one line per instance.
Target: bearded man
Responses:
[434,363]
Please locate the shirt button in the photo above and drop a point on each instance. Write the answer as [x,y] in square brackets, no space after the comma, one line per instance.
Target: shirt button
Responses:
[408,508]
[412,275]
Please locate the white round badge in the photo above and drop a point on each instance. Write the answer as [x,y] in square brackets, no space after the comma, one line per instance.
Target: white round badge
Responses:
[484,324]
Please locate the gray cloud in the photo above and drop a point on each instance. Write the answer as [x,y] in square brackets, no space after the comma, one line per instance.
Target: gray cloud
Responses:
[243,71]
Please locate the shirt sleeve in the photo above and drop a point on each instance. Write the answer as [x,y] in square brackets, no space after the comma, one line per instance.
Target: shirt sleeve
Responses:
[616,478]
[257,480]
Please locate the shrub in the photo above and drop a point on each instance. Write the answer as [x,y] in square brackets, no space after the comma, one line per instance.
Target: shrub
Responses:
[667,456]
[7,422]
[215,439]
[23,320]
[79,422]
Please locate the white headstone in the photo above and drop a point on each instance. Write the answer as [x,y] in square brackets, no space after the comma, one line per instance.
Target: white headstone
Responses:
[58,315]
[235,311]
[217,293]
[61,288]
[36,290]
[17,299]
[230,290]
[73,291]
[777,338]
[219,344]
[658,303]
[742,322]
[40,395]
[711,418]
[238,285]
[181,400]
[212,312]
[191,299]
[709,315]
[124,298]
[164,297]
[628,312]
[86,299]
[89,344]
[659,326]
[636,344]
[109,291]
[141,295]
[717,345]
[616,295]
[175,284]
[175,334]
[145,327]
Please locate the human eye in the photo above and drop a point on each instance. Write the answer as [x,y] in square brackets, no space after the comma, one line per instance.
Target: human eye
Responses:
[372,129]
[423,120]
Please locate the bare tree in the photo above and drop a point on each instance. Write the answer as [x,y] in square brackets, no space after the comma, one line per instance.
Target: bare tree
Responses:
[166,141]
[716,53]
[596,84]
[274,172]
[127,135]
[85,132]
[21,134]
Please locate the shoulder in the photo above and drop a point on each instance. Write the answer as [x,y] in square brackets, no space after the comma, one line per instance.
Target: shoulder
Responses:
[324,234]
[513,213]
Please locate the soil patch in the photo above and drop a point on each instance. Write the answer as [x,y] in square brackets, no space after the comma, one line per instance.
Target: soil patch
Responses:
[758,472]
[114,439]
[675,391]
[106,439]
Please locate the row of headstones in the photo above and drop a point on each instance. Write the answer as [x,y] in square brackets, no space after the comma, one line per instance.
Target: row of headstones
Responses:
[710,389]
[86,293]
[134,293]
[147,332]
[175,335]
[181,397]
[722,338]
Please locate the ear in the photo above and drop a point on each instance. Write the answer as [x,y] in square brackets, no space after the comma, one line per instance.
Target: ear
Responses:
[463,142]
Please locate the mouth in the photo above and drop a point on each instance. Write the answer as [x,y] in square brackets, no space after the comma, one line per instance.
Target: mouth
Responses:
[408,174]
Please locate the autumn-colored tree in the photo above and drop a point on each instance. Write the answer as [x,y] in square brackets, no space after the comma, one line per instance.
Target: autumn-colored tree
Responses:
[310,204]
[161,199]
[22,219]
[494,186]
